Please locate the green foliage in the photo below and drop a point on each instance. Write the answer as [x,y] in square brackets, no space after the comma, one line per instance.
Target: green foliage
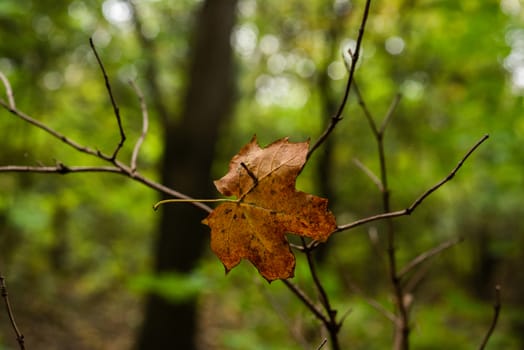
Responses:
[173,287]
[92,233]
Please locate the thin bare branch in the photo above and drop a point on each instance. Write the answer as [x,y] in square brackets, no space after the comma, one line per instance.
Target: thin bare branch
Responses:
[306,301]
[145,125]
[59,169]
[355,56]
[496,312]
[369,173]
[389,113]
[324,342]
[419,200]
[8,90]
[120,169]
[331,323]
[116,110]
[5,295]
[369,219]
[374,303]
[381,309]
[320,288]
[421,258]
[51,131]
[365,109]
[450,175]
[415,279]
[402,328]
[117,166]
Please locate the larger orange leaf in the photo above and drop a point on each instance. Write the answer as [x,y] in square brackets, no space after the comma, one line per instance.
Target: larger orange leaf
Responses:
[254,226]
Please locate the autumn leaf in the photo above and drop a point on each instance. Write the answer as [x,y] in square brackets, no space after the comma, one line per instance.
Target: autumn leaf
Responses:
[254,227]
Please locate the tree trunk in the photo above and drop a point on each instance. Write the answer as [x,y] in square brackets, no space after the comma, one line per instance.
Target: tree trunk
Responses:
[189,148]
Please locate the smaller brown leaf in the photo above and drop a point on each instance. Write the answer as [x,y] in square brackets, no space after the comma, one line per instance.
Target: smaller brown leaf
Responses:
[267,207]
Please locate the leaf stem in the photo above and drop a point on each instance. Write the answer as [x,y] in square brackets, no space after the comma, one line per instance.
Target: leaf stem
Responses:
[179,200]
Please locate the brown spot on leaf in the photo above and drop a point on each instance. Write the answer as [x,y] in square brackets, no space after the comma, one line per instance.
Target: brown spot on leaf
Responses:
[257,233]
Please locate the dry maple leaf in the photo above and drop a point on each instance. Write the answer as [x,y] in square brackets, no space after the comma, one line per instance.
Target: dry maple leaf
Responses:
[254,226]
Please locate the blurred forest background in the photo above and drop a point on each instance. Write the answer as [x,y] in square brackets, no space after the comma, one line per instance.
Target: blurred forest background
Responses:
[90,265]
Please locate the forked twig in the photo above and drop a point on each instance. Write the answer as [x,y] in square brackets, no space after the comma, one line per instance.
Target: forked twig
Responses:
[428,255]
[496,312]
[116,110]
[116,167]
[402,328]
[19,336]
[412,207]
[419,200]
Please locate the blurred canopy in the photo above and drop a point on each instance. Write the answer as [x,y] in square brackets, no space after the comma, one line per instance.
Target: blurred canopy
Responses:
[73,244]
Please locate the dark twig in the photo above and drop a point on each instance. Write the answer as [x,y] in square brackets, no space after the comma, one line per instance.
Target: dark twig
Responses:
[402,300]
[427,255]
[324,342]
[113,102]
[117,166]
[145,125]
[450,175]
[59,169]
[331,324]
[51,131]
[323,295]
[251,174]
[306,301]
[5,296]
[8,90]
[496,313]
[402,328]
[120,169]
[354,59]
[419,200]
